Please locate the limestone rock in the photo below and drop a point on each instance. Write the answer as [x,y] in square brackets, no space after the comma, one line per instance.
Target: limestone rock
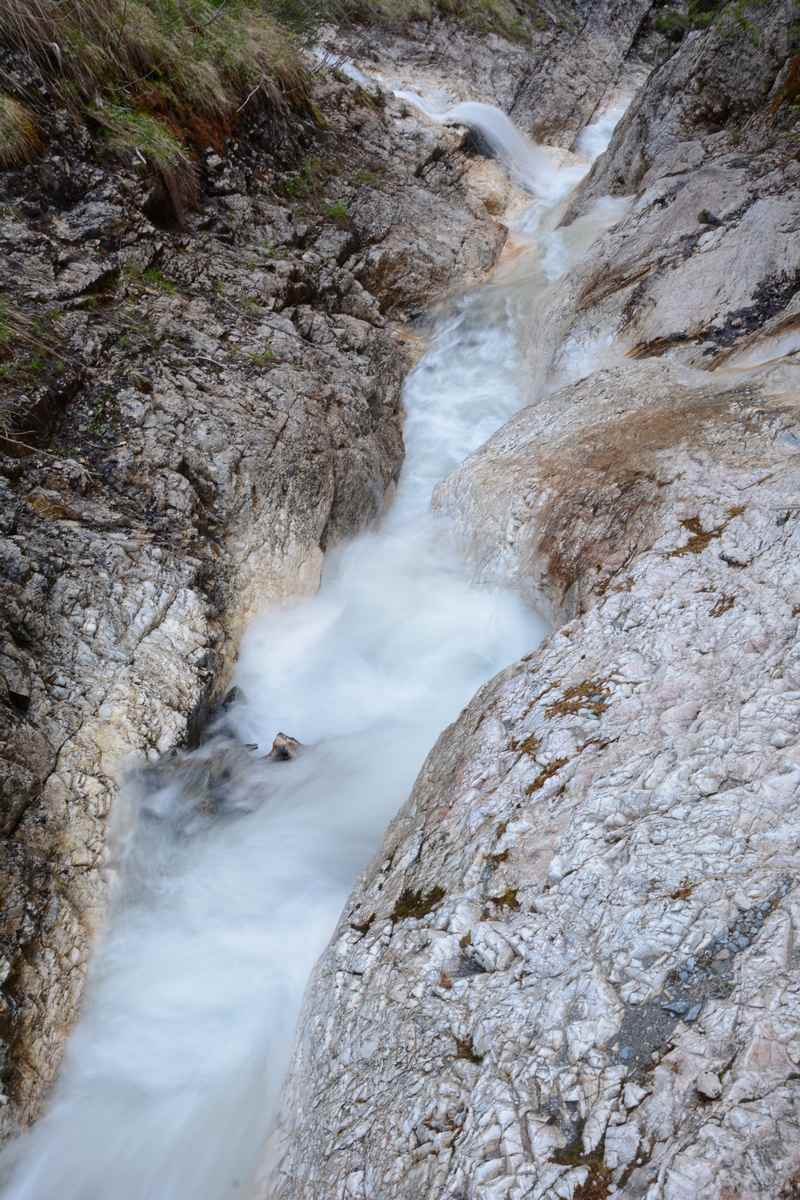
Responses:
[705,263]
[608,835]
[550,74]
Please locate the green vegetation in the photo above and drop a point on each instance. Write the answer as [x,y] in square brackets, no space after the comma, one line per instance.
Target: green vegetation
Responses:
[305,180]
[485,16]
[367,178]
[336,211]
[27,347]
[700,14]
[139,133]
[513,20]
[150,277]
[154,278]
[263,358]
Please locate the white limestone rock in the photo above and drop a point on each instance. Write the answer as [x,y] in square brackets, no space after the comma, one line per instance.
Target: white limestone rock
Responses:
[659,521]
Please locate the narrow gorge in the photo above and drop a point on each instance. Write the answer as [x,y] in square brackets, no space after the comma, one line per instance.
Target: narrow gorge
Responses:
[399,719]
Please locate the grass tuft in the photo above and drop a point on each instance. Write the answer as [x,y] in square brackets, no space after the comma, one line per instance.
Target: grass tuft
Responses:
[19,133]
[161,77]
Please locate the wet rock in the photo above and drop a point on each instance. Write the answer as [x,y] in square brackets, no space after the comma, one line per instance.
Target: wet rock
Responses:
[284,748]
[703,266]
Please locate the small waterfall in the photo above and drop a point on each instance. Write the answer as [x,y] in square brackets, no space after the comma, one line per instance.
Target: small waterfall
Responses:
[237,868]
[531,166]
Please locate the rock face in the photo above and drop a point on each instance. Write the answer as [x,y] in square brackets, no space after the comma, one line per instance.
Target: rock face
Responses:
[564,60]
[587,906]
[571,971]
[706,262]
[188,420]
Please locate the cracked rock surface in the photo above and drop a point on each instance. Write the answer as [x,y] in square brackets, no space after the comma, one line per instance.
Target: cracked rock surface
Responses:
[573,964]
[549,74]
[572,970]
[705,264]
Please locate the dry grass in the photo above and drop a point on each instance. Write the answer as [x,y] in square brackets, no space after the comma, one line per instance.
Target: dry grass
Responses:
[19,133]
[158,78]
[182,57]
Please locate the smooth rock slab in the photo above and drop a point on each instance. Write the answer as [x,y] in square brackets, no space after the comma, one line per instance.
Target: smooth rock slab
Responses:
[539,1028]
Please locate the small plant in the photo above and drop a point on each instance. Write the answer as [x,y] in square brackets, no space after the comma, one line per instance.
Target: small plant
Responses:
[27,346]
[699,15]
[303,182]
[154,278]
[102,411]
[336,211]
[263,358]
[413,902]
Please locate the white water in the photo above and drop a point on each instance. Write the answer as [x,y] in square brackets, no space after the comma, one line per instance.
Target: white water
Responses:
[172,1076]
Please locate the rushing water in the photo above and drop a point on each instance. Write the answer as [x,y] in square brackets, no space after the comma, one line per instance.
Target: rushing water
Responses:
[172,1075]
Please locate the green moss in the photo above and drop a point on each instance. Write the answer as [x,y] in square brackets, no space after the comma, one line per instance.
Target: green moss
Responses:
[414,903]
[154,278]
[263,358]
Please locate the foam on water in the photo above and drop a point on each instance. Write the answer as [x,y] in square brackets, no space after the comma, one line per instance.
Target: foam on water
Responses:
[171,1078]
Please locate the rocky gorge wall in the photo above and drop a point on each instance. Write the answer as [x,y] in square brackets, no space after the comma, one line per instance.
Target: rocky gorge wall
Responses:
[572,970]
[192,417]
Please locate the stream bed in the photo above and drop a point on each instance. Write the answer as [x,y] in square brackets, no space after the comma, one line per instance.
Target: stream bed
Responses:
[172,1077]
